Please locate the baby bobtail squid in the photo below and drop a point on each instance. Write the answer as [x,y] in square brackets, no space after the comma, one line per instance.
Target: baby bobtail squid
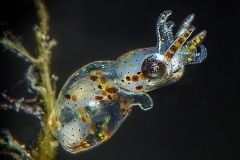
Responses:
[97,98]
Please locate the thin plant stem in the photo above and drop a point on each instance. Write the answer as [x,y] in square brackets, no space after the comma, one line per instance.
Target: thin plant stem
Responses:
[46,143]
[45,87]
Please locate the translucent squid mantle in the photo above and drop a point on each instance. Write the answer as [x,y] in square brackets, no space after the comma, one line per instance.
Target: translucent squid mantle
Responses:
[97,98]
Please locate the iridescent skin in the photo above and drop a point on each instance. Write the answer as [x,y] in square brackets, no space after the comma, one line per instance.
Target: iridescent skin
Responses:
[97,98]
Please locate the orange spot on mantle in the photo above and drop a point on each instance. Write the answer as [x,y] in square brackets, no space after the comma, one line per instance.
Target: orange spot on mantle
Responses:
[74,98]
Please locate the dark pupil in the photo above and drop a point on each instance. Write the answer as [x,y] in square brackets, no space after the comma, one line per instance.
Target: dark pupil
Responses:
[153,69]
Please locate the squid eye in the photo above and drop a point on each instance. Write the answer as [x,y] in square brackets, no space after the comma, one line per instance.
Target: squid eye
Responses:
[153,68]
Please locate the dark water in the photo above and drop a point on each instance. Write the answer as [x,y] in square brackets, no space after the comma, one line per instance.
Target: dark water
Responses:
[196,118]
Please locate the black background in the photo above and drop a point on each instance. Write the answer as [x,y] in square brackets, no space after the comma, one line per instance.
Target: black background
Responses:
[196,118]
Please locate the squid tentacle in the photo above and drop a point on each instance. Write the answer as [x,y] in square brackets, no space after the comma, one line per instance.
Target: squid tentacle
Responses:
[190,49]
[201,56]
[178,43]
[169,34]
[185,25]
[162,29]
